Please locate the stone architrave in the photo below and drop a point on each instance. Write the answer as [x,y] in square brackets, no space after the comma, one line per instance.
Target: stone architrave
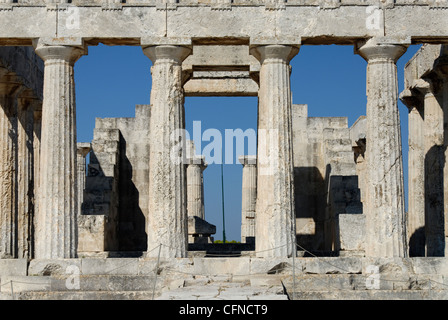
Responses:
[9,88]
[248,198]
[56,226]
[167,213]
[275,220]
[385,217]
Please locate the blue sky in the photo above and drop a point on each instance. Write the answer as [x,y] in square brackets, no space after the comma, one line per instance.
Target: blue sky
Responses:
[110,81]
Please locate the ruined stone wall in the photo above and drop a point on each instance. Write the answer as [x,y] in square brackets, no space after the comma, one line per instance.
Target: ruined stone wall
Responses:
[134,179]
[426,96]
[98,222]
[117,184]
[327,195]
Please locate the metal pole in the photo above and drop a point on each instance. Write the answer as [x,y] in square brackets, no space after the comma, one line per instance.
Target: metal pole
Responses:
[222,200]
[293,268]
[12,291]
[157,271]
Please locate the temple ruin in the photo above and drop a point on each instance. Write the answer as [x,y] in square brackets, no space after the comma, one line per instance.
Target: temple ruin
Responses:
[322,202]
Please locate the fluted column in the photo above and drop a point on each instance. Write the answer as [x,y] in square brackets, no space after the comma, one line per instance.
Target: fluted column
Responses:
[445,168]
[416,173]
[167,215]
[9,89]
[82,150]
[25,238]
[56,229]
[248,198]
[275,215]
[385,218]
[37,126]
[433,144]
[195,186]
[441,72]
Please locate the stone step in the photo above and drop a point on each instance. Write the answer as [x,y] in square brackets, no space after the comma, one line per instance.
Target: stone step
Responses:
[356,282]
[224,291]
[228,287]
[78,295]
[370,295]
[86,283]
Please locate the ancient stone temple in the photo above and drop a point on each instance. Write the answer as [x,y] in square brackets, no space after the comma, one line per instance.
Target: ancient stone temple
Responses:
[323,204]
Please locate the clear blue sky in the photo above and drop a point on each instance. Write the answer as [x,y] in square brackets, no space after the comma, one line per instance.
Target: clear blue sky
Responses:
[110,81]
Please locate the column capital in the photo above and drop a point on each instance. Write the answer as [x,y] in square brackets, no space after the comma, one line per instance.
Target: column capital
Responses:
[178,53]
[83,148]
[61,51]
[425,86]
[248,160]
[411,99]
[381,49]
[197,160]
[274,51]
[441,65]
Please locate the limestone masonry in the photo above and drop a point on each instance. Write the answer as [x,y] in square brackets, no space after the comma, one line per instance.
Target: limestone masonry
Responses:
[323,213]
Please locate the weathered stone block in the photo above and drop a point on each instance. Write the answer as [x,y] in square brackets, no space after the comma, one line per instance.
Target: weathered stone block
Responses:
[127,266]
[23,283]
[429,265]
[47,267]
[332,265]
[13,267]
[352,231]
[387,265]
[275,265]
[238,266]
[147,266]
[91,232]
[197,225]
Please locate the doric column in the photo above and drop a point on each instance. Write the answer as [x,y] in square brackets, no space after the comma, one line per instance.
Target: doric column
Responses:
[433,169]
[56,230]
[9,89]
[167,215]
[441,69]
[37,126]
[275,219]
[416,173]
[248,198]
[82,150]
[195,186]
[385,218]
[25,238]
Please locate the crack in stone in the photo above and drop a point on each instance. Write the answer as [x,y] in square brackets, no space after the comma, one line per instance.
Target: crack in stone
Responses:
[390,168]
